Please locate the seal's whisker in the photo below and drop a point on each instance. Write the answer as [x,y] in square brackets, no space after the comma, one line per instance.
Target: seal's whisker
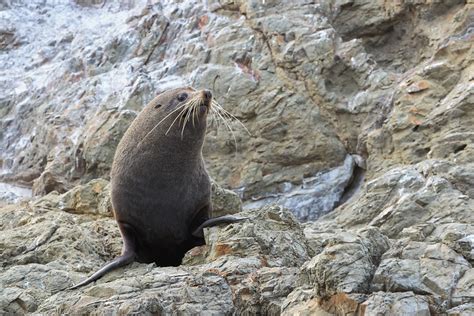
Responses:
[161,121]
[189,104]
[218,118]
[214,119]
[191,118]
[186,120]
[223,114]
[184,115]
[228,126]
[197,110]
[230,115]
[185,107]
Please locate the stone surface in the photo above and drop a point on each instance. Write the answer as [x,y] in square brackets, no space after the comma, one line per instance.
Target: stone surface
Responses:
[422,268]
[245,273]
[186,293]
[10,193]
[91,198]
[464,290]
[346,264]
[405,303]
[224,201]
[461,310]
[314,197]
[406,199]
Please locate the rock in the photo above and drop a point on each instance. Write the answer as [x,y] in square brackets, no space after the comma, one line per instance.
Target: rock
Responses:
[250,256]
[7,37]
[346,264]
[273,285]
[313,198]
[422,268]
[250,239]
[466,247]
[186,292]
[131,57]
[103,135]
[47,250]
[48,182]
[463,292]
[457,236]
[10,193]
[404,303]
[461,310]
[402,200]
[224,201]
[302,301]
[92,198]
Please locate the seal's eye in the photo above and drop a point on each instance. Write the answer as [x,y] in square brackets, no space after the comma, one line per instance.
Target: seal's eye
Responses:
[182,97]
[157,106]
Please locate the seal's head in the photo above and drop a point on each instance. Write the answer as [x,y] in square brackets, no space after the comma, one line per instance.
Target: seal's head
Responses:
[180,114]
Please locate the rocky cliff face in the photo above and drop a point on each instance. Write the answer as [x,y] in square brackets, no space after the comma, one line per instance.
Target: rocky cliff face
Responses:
[360,110]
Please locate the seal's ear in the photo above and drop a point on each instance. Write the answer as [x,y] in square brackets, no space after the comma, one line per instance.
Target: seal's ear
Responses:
[154,103]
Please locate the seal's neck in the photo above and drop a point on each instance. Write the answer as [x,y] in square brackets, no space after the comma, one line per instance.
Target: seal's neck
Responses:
[172,152]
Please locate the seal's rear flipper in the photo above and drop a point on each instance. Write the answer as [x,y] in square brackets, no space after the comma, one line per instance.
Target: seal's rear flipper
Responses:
[128,255]
[226,219]
[126,258]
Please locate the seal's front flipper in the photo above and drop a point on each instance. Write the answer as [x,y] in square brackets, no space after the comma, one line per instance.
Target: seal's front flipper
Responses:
[226,219]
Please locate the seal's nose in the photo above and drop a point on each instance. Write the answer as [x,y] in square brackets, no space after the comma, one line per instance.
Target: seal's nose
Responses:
[207,96]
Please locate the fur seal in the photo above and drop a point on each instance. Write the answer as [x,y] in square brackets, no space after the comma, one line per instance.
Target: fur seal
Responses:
[160,189]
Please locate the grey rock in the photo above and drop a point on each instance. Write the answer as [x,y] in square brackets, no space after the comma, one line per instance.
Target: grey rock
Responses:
[302,301]
[250,240]
[404,200]
[464,290]
[461,310]
[186,293]
[224,201]
[91,198]
[405,303]
[10,193]
[422,268]
[313,197]
[7,37]
[466,247]
[249,256]
[346,264]
[46,250]
[131,57]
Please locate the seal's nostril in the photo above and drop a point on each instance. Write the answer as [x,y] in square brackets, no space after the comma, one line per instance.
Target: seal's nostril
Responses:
[207,94]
